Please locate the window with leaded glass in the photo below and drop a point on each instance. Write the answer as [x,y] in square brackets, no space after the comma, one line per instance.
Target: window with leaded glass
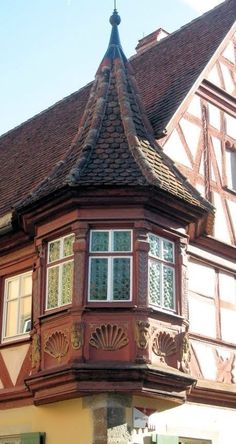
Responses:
[17,306]
[60,266]
[161,272]
[110,265]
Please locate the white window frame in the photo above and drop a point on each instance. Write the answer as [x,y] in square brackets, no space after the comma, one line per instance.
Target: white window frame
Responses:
[110,256]
[59,264]
[172,266]
[18,298]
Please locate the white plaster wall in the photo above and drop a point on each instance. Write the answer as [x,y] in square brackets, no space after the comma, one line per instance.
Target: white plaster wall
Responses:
[198,421]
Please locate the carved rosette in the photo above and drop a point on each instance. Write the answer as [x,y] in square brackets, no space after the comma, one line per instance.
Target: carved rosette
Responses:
[57,345]
[77,335]
[35,353]
[142,334]
[109,337]
[164,345]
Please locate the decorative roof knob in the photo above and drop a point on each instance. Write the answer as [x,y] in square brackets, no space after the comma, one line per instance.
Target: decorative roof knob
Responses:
[115,18]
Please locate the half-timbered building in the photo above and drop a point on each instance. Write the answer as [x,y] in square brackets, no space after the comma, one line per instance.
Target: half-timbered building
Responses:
[118,249]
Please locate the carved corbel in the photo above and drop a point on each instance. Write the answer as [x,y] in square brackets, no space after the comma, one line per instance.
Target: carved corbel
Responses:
[185,352]
[77,335]
[35,351]
[142,334]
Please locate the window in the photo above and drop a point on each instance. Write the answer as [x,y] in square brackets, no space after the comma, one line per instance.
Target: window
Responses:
[161,273]
[231,168]
[24,438]
[17,305]
[110,265]
[60,264]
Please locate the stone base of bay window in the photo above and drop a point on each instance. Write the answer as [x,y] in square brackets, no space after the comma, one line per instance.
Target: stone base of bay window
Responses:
[111,417]
[83,379]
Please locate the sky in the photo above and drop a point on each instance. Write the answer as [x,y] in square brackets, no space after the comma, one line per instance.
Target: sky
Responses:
[51,48]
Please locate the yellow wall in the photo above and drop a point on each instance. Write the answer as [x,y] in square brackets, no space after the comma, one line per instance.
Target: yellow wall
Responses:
[63,422]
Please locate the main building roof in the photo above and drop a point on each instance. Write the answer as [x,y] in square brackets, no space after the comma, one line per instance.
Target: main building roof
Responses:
[29,153]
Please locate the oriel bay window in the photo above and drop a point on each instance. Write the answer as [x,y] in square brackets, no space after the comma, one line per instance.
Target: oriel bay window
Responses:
[60,265]
[161,273]
[110,265]
[17,306]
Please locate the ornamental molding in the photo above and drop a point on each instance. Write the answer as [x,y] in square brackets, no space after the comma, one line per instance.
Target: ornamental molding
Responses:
[57,345]
[109,337]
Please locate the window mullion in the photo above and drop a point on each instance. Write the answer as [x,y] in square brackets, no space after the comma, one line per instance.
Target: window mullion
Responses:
[110,279]
[18,305]
[59,300]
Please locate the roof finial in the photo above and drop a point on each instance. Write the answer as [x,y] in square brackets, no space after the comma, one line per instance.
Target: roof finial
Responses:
[115,18]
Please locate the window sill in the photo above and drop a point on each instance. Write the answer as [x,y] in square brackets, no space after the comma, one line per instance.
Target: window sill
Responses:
[14,341]
[230,190]
[55,311]
[110,304]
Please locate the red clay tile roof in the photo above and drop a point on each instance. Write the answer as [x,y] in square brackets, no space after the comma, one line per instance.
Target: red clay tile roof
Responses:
[115,143]
[166,72]
[29,152]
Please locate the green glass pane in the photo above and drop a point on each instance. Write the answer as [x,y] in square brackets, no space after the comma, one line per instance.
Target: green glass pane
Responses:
[99,241]
[54,251]
[68,245]
[155,245]
[121,279]
[67,282]
[53,282]
[168,251]
[168,284]
[122,241]
[155,283]
[98,279]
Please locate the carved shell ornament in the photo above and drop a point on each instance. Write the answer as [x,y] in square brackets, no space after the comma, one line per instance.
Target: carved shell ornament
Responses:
[164,345]
[57,345]
[109,337]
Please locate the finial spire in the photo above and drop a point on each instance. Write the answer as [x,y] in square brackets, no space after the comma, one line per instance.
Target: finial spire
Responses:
[115,5]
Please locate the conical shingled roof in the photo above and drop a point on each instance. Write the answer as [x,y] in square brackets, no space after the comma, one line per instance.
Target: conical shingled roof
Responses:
[115,143]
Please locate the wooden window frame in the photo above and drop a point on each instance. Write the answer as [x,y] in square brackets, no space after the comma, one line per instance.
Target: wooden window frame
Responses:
[21,335]
[58,263]
[110,255]
[173,266]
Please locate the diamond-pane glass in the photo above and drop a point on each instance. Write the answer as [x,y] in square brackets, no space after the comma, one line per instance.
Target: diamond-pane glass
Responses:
[155,282]
[98,279]
[54,251]
[168,283]
[155,245]
[121,241]
[100,241]
[67,282]
[68,246]
[121,279]
[53,283]
[168,251]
